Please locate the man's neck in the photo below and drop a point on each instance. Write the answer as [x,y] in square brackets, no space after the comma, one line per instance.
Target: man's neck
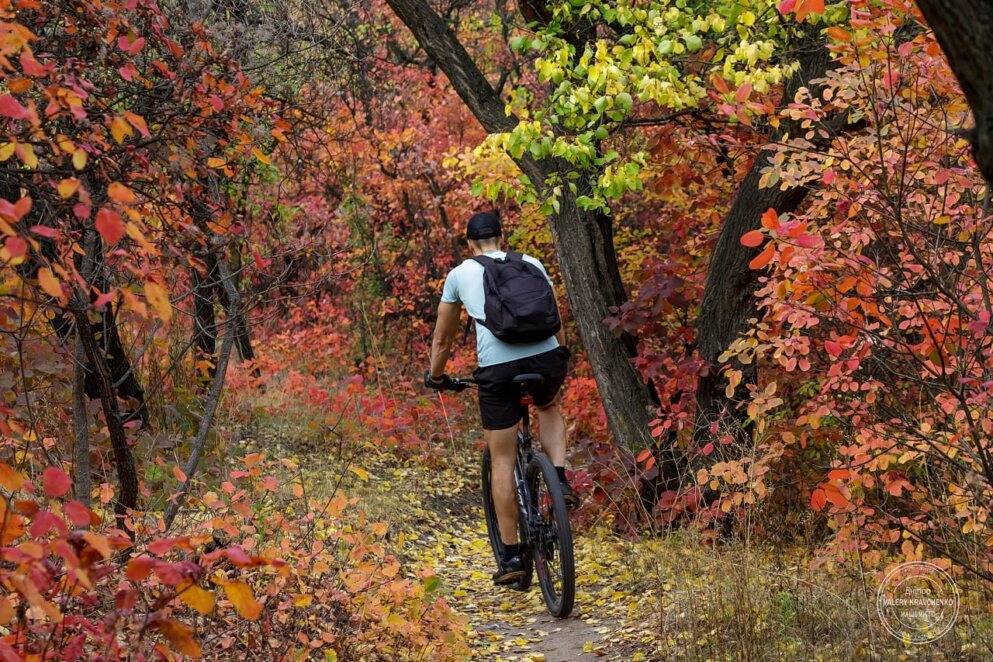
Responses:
[480,251]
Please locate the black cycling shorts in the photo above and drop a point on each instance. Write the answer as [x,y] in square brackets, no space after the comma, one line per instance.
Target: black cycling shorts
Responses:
[500,398]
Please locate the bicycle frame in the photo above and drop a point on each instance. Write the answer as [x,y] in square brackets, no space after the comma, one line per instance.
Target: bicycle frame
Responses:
[525,451]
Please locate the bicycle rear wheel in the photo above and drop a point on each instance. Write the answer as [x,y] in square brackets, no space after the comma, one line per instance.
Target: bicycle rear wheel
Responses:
[551,536]
[493,529]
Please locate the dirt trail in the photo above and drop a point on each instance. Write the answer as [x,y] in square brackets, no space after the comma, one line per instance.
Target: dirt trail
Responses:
[510,625]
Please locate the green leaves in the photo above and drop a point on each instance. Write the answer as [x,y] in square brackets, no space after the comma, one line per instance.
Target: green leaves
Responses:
[663,59]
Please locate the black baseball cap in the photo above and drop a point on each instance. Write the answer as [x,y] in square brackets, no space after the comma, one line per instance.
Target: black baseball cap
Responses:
[483,226]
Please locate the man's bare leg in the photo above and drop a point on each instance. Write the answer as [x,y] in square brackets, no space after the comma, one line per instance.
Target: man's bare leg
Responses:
[503,455]
[552,426]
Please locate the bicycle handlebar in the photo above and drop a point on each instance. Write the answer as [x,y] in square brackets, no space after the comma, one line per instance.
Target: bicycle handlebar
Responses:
[462,383]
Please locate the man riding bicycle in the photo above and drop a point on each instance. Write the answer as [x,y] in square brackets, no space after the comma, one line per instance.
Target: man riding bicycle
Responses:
[470,284]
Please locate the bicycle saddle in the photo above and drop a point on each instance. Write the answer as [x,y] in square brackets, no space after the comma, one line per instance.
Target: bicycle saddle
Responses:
[529,378]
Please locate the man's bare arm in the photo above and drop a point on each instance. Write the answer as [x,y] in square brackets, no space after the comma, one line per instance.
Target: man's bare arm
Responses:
[445,330]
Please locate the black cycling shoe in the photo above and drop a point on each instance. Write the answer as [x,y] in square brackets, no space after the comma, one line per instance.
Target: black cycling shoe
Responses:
[570,498]
[510,571]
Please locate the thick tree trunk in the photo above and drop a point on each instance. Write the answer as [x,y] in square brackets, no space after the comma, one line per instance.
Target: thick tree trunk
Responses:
[580,243]
[964,28]
[729,294]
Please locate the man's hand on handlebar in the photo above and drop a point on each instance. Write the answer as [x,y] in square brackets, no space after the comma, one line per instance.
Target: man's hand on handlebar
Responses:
[443,383]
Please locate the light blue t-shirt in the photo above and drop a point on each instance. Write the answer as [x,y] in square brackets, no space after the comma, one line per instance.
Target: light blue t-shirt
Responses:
[465,284]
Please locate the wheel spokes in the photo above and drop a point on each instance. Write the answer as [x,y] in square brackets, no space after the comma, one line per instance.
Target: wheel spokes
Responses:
[547,538]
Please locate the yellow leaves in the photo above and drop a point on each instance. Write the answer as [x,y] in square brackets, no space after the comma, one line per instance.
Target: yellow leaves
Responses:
[179,636]
[118,192]
[67,187]
[260,155]
[49,283]
[7,150]
[25,152]
[360,472]
[6,611]
[13,525]
[137,121]
[99,543]
[215,162]
[158,297]
[240,595]
[10,479]
[197,598]
[79,158]
[120,129]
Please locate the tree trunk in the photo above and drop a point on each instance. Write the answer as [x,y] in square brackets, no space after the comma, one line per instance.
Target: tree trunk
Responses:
[964,28]
[729,294]
[214,398]
[204,324]
[81,425]
[123,457]
[580,242]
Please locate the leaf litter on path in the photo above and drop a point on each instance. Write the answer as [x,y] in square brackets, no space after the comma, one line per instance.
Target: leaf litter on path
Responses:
[438,517]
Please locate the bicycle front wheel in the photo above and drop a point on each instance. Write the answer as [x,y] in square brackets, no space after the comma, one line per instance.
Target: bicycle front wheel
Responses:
[493,528]
[551,536]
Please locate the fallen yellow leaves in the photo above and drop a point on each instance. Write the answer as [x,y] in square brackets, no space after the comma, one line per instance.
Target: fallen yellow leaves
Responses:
[241,596]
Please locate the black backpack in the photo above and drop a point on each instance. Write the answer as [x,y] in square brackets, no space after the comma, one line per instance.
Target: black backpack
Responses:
[520,305]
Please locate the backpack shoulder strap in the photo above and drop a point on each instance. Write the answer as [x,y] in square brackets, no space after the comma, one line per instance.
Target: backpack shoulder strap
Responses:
[514,256]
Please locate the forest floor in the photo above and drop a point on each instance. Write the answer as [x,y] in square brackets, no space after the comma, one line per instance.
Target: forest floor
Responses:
[439,514]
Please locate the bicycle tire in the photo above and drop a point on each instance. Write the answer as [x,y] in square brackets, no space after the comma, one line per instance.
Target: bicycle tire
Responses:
[551,532]
[493,528]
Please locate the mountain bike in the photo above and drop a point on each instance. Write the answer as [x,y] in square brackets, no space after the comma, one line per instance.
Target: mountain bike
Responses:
[545,533]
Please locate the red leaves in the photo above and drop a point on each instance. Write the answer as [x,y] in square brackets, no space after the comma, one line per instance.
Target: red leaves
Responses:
[802,8]
[829,493]
[140,567]
[16,247]
[109,225]
[763,258]
[9,107]
[163,545]
[818,500]
[770,219]
[752,239]
[741,96]
[55,482]
[129,46]
[14,212]
[78,514]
